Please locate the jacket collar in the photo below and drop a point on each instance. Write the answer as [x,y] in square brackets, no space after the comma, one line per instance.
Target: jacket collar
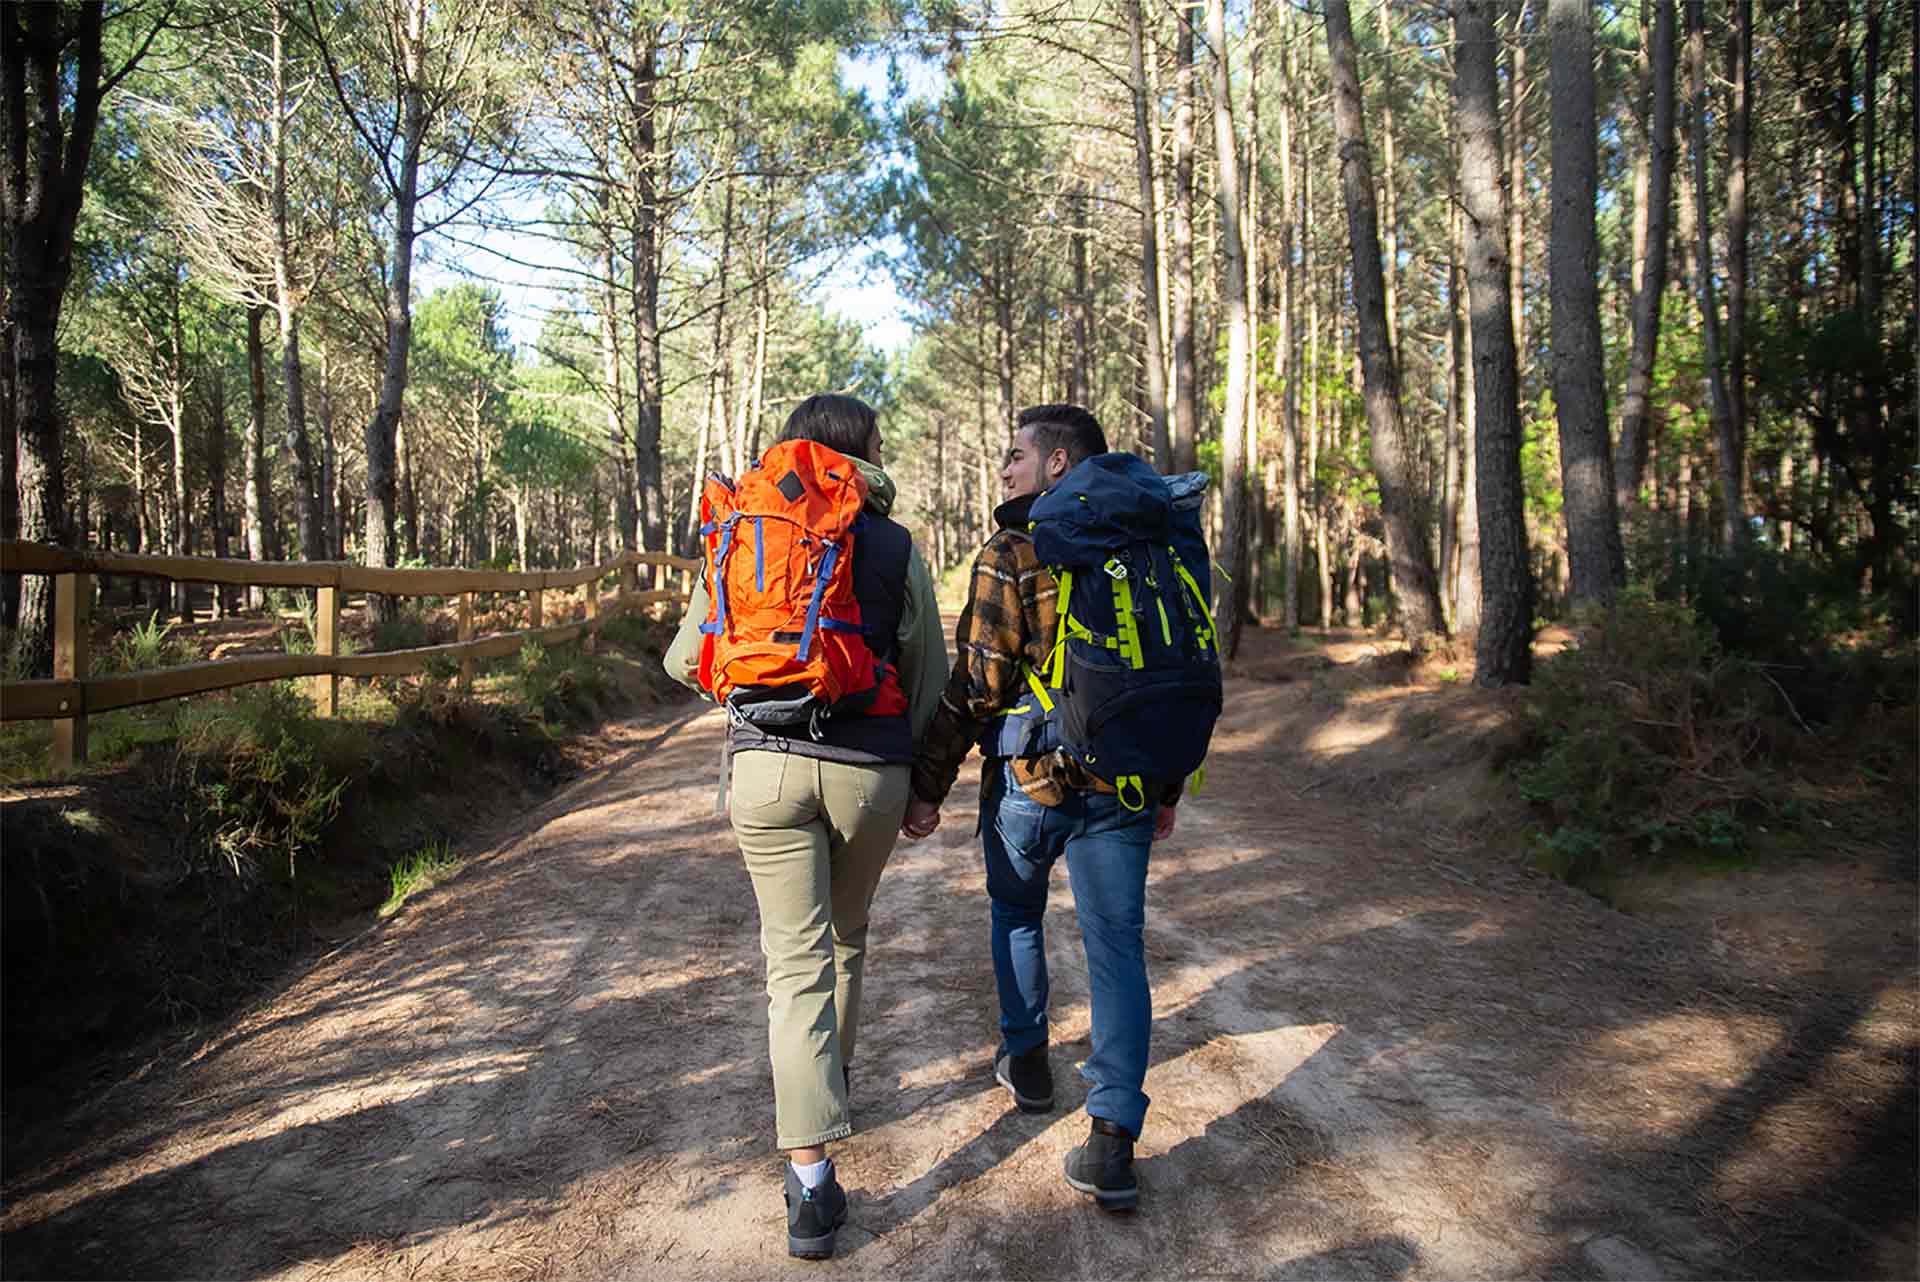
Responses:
[1012,515]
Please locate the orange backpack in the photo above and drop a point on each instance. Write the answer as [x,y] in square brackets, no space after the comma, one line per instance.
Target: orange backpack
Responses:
[783,643]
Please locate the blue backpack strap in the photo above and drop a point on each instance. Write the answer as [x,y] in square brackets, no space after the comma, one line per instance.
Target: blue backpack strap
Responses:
[828,559]
[719,584]
[759,554]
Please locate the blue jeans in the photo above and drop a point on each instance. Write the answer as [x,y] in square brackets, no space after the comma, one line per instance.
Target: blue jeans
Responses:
[1106,848]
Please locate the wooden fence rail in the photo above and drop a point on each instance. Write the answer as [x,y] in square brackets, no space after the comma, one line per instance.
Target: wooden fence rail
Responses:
[72,693]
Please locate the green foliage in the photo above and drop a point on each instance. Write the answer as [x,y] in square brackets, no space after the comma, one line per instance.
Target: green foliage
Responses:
[430,864]
[561,688]
[266,777]
[407,630]
[1649,741]
[148,645]
[637,634]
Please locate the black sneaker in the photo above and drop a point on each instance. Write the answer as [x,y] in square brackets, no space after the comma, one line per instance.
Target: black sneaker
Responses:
[814,1215]
[1029,1077]
[1103,1166]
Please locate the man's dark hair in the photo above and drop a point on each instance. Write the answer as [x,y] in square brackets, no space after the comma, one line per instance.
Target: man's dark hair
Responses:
[1064,427]
[843,423]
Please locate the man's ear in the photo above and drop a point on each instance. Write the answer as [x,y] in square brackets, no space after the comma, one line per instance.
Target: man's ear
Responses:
[1058,465]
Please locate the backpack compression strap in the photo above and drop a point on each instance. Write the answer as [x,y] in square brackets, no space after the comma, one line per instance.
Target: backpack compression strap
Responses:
[719,584]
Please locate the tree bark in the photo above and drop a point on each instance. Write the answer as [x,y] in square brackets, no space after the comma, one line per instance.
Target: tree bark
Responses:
[1596,562]
[1503,653]
[1630,455]
[1186,407]
[1518,88]
[1416,592]
[382,431]
[1726,432]
[645,286]
[259,500]
[1080,388]
[1285,358]
[287,305]
[50,80]
[1150,287]
[1739,146]
[1234,599]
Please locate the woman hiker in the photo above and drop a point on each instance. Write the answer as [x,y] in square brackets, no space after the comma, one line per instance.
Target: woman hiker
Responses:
[817,805]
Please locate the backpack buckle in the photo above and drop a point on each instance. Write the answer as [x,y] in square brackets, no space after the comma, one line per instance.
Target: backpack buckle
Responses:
[1115,567]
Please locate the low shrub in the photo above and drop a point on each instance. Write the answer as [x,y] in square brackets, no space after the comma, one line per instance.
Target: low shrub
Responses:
[1649,740]
[148,645]
[561,688]
[266,776]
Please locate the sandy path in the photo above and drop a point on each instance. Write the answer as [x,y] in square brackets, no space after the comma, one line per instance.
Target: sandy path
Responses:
[1367,1063]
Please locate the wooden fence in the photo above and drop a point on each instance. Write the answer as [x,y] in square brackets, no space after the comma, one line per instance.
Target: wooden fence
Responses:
[72,693]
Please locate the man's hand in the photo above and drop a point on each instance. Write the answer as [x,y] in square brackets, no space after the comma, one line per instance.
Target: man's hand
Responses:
[1163,820]
[921,819]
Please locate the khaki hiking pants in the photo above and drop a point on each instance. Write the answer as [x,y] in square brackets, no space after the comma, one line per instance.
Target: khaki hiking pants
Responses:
[815,835]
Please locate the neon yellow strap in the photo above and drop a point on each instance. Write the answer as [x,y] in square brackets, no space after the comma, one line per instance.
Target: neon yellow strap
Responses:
[1133,792]
[1123,623]
[1197,780]
[1039,691]
[1166,629]
[1206,633]
[1058,659]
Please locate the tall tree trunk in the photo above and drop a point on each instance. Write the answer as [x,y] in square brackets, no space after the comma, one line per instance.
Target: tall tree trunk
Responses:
[1186,404]
[1726,432]
[383,426]
[50,79]
[1630,455]
[1596,561]
[1459,424]
[180,539]
[216,478]
[328,496]
[1416,592]
[1518,88]
[1005,335]
[1080,389]
[1503,654]
[306,500]
[645,277]
[1285,359]
[627,512]
[259,495]
[409,496]
[1233,431]
[1150,286]
[1739,147]
[1389,175]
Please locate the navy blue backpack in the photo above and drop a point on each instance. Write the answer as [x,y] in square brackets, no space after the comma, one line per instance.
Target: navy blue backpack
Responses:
[1134,671]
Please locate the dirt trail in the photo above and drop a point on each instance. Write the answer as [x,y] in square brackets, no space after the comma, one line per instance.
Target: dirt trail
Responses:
[1369,1062]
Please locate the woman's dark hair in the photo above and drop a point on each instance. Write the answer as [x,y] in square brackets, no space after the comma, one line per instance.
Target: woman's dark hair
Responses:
[843,423]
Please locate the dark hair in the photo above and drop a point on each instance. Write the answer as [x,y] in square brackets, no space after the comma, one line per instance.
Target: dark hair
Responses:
[1065,427]
[843,423]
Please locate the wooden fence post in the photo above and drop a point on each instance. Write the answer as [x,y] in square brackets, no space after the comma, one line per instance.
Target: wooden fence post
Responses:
[535,619]
[326,641]
[72,606]
[466,634]
[592,590]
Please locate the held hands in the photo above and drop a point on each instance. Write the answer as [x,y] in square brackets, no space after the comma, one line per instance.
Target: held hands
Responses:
[921,819]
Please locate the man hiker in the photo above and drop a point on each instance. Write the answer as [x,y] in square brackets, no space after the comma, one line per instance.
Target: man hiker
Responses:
[1038,802]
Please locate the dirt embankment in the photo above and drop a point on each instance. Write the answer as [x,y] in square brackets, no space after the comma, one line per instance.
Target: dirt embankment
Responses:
[1383,1048]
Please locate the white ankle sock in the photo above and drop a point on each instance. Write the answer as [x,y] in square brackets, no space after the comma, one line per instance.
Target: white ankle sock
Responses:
[813,1174]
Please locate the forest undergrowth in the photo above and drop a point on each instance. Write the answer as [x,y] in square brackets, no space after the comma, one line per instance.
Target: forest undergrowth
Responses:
[1722,716]
[212,842]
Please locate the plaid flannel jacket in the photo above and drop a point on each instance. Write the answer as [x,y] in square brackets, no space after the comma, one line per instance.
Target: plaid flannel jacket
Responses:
[1011,615]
